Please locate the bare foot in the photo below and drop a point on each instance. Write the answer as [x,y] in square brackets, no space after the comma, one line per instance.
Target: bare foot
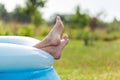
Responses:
[53,38]
[56,51]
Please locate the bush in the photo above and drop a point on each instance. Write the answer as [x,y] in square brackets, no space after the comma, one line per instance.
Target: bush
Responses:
[25,31]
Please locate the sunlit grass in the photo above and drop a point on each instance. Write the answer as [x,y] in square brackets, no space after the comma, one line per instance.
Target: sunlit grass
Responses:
[98,62]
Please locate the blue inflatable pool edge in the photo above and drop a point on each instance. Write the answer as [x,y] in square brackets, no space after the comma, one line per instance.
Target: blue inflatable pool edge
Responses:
[48,73]
[44,74]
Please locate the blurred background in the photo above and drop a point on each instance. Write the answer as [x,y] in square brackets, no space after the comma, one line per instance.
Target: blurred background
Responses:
[93,27]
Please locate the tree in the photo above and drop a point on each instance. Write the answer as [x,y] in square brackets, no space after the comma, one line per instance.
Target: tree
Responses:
[77,19]
[80,19]
[19,16]
[113,26]
[96,22]
[31,9]
[3,12]
[37,18]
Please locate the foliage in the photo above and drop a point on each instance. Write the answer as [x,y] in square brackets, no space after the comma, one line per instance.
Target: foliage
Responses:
[25,31]
[31,9]
[113,26]
[19,16]
[76,20]
[37,19]
[33,5]
[79,26]
[3,13]
[29,13]
[80,19]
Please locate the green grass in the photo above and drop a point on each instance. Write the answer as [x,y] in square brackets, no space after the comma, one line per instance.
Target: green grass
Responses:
[98,62]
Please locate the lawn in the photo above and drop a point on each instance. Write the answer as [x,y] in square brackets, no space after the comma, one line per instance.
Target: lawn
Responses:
[100,61]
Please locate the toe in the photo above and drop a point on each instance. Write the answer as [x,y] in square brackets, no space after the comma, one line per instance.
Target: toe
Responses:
[64,43]
[58,18]
[65,36]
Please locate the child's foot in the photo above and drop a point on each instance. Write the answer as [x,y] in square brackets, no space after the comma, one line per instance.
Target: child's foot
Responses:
[56,51]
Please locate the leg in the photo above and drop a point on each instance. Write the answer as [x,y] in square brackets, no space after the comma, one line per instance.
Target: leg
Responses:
[52,43]
[53,38]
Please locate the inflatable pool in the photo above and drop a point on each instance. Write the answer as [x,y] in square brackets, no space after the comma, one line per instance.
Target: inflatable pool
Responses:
[20,61]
